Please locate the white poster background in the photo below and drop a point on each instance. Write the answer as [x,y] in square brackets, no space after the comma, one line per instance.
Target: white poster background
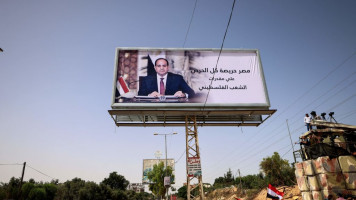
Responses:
[236,79]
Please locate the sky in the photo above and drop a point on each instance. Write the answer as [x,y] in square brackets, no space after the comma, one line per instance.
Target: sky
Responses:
[57,69]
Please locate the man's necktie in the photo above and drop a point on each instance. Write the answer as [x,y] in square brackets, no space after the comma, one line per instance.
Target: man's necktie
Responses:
[161,87]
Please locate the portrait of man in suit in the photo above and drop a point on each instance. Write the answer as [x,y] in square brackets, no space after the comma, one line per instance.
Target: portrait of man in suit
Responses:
[164,83]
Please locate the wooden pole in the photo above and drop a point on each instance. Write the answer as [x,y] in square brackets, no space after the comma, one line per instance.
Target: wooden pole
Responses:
[23,174]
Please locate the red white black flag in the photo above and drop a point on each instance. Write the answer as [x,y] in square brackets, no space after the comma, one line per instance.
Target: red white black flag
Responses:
[273,193]
[121,84]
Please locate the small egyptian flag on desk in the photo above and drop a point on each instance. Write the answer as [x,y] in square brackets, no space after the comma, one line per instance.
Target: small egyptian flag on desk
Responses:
[273,193]
[121,85]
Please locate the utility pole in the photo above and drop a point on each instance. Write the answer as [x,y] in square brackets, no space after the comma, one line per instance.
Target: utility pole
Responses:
[23,174]
[290,137]
[240,179]
[165,144]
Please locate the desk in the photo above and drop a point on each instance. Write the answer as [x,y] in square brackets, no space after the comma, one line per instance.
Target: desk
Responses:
[153,100]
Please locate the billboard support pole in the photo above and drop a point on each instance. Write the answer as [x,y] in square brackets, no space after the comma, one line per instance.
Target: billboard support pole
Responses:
[192,151]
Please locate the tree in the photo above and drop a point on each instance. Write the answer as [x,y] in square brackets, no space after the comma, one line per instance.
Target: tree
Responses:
[105,191]
[277,170]
[227,180]
[116,181]
[143,196]
[51,190]
[119,195]
[13,188]
[70,189]
[2,191]
[156,176]
[90,191]
[37,193]
[26,189]
[255,181]
[182,192]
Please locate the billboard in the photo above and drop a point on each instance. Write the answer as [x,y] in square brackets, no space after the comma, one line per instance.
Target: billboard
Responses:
[206,77]
[148,166]
[160,86]
[194,167]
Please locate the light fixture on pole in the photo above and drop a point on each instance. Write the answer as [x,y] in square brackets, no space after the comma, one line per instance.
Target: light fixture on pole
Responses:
[165,142]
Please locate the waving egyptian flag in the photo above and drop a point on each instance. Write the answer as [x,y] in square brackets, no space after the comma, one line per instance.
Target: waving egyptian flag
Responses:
[273,193]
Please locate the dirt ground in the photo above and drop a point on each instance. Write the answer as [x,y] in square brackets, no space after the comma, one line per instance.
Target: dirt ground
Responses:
[232,193]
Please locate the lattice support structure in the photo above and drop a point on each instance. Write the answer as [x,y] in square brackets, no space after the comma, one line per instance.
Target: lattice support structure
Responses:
[192,151]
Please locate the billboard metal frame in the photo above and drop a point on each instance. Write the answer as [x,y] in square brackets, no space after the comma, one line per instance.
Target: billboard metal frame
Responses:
[173,114]
[177,117]
[190,114]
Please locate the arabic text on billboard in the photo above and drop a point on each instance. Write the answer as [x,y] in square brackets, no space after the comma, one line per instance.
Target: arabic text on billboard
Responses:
[194,167]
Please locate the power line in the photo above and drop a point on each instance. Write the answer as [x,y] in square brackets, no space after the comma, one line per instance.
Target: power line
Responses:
[247,156]
[327,75]
[347,113]
[325,93]
[301,109]
[180,156]
[335,95]
[354,112]
[278,140]
[191,19]
[12,164]
[286,152]
[29,167]
[344,101]
[304,94]
[222,46]
[252,147]
[40,172]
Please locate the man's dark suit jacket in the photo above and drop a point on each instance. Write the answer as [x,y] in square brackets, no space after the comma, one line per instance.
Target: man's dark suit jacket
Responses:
[174,83]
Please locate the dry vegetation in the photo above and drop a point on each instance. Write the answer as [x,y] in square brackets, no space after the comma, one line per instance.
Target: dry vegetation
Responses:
[232,193]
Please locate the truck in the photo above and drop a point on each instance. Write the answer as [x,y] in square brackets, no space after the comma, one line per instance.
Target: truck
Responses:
[326,166]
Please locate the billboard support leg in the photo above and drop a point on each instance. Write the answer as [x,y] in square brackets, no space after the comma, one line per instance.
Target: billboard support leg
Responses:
[192,150]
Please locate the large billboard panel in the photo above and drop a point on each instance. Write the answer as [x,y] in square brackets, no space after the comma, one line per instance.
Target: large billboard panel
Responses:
[148,166]
[192,78]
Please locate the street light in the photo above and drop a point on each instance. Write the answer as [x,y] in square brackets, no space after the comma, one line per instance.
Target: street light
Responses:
[165,142]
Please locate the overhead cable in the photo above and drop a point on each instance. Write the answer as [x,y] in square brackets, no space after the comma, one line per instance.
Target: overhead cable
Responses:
[222,46]
[40,172]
